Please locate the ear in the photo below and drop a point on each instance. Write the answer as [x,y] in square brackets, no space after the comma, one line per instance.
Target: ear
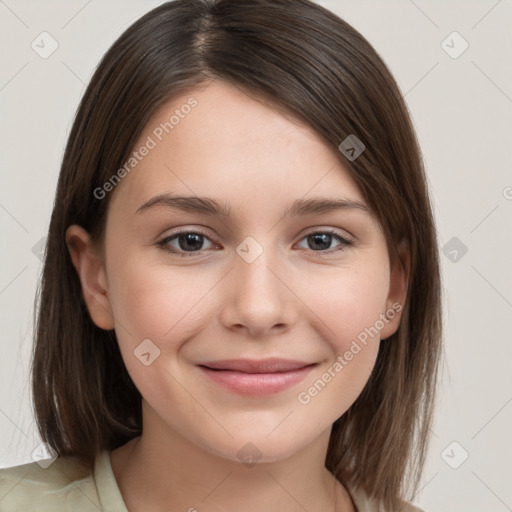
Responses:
[399,279]
[91,272]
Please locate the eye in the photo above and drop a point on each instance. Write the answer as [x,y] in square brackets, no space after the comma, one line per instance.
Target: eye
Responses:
[188,243]
[321,240]
[191,242]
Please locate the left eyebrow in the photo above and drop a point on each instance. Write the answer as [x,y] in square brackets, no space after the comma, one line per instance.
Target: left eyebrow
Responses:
[209,206]
[322,206]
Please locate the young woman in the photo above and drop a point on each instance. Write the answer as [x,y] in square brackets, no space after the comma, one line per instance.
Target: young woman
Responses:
[240,307]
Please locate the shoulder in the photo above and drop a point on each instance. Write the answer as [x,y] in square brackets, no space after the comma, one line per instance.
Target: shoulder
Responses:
[409,507]
[65,484]
[366,504]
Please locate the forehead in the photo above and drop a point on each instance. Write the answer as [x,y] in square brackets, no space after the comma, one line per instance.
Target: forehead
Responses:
[218,140]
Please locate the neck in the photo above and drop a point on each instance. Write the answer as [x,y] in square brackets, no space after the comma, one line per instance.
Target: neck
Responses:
[162,470]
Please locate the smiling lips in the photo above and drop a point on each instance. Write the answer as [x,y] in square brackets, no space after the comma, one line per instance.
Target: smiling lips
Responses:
[256,378]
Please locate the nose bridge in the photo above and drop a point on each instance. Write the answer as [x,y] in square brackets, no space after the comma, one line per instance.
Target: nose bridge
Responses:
[259,299]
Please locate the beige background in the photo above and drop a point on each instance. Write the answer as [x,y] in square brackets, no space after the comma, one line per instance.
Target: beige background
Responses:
[462,110]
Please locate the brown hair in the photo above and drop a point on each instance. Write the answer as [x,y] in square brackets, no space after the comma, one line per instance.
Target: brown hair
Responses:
[310,62]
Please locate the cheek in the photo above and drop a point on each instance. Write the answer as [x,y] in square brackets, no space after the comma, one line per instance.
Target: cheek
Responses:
[167,306]
[164,305]
[346,302]
[155,301]
[344,305]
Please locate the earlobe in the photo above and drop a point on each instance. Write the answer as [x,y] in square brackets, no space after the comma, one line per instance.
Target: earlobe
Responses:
[91,272]
[399,279]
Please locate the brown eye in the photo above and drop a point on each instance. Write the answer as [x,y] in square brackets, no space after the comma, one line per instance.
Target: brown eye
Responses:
[185,243]
[320,241]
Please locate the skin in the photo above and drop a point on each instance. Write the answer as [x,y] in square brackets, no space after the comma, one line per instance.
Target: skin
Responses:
[293,301]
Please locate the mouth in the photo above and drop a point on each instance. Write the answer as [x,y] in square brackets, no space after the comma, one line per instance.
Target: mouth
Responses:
[256,378]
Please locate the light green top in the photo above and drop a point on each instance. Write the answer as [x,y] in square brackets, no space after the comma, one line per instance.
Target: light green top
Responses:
[66,485]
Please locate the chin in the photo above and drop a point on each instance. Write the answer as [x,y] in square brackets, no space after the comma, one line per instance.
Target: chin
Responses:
[262,448]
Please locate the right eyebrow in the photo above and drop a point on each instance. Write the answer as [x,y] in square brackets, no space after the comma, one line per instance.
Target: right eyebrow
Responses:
[193,204]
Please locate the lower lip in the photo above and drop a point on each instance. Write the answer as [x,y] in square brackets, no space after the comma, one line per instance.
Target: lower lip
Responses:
[257,384]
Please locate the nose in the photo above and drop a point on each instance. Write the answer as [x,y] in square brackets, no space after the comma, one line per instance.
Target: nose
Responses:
[259,298]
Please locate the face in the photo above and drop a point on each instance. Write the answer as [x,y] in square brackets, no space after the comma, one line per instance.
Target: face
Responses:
[271,277]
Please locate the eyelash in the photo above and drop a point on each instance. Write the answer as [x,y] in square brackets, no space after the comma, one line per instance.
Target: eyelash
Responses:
[164,244]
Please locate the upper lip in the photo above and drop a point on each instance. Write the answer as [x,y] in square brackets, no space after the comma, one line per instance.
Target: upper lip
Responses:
[271,365]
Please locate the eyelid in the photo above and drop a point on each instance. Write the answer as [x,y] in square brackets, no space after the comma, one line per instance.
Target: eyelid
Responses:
[200,230]
[345,242]
[164,242]
[331,231]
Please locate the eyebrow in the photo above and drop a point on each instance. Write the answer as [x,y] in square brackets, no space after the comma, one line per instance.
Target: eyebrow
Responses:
[208,206]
